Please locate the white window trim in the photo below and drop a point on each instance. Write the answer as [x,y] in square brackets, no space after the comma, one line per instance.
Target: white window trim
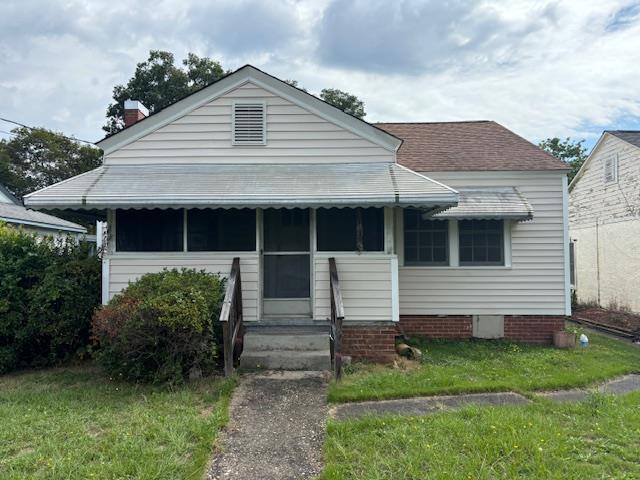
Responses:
[454,251]
[233,124]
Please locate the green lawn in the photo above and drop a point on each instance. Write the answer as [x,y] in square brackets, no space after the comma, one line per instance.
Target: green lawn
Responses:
[73,423]
[450,367]
[597,438]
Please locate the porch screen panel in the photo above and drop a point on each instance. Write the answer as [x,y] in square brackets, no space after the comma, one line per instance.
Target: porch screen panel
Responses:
[220,230]
[149,230]
[287,276]
[350,229]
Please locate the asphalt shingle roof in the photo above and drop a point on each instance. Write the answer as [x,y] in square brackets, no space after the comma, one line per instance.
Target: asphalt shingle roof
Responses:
[467,146]
[629,136]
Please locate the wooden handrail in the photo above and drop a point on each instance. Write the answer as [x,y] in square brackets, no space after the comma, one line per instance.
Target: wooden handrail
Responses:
[231,318]
[337,316]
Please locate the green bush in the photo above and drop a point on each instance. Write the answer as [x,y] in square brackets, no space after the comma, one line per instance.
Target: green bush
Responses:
[161,328]
[48,292]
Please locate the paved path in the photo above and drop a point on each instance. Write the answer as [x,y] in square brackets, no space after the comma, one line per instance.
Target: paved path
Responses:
[276,430]
[426,405]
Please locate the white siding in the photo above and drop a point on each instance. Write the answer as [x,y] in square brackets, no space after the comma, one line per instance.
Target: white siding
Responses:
[604,221]
[294,135]
[535,281]
[365,281]
[127,267]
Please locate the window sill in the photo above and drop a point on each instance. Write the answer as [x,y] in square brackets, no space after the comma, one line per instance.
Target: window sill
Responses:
[449,267]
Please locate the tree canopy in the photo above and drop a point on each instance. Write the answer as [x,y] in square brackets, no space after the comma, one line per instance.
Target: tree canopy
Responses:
[158,82]
[572,152]
[36,158]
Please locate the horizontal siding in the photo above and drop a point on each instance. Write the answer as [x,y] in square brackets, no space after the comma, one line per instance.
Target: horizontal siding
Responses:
[365,281]
[294,135]
[591,199]
[534,284]
[126,268]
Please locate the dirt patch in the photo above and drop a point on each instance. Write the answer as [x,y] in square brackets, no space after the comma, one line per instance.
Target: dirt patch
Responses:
[609,318]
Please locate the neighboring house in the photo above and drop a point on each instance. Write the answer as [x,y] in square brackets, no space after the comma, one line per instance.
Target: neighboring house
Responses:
[13,213]
[442,229]
[604,214]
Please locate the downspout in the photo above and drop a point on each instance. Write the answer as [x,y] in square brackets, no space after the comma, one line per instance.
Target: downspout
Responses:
[598,260]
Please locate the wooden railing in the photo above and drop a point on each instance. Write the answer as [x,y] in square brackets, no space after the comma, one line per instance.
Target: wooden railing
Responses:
[231,318]
[337,316]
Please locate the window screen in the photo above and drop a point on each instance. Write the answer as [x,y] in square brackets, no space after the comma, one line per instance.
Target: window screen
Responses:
[219,230]
[481,242]
[350,229]
[426,241]
[149,230]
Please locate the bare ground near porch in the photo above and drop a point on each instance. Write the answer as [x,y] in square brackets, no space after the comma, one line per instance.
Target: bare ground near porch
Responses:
[626,321]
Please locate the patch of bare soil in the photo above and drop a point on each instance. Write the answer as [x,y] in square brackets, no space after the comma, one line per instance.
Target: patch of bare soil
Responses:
[610,318]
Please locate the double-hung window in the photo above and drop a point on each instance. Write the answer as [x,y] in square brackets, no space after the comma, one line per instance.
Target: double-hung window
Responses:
[481,242]
[426,241]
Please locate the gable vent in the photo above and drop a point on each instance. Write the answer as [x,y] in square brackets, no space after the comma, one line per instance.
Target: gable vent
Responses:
[249,124]
[611,169]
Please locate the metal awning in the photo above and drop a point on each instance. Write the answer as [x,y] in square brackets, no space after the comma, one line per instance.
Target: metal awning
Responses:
[246,185]
[17,214]
[490,203]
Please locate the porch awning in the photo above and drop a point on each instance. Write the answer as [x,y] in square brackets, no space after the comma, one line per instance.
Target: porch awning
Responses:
[490,203]
[245,185]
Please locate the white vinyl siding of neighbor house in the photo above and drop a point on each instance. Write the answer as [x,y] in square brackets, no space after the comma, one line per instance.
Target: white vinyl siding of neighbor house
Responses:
[293,135]
[367,282]
[123,268]
[604,224]
[533,283]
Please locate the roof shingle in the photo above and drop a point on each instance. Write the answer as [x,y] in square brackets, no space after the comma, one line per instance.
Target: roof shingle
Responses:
[467,146]
[629,136]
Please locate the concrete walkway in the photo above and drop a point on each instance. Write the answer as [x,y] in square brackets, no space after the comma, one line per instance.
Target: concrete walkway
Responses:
[277,427]
[427,405]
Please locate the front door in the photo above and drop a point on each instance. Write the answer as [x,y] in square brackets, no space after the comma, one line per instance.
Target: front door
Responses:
[286,263]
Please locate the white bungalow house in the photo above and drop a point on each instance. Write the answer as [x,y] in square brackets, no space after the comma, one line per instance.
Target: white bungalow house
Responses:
[604,221]
[439,229]
[12,212]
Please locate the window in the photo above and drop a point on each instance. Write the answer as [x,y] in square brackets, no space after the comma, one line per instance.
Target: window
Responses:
[426,241]
[611,169]
[149,230]
[572,263]
[481,242]
[219,230]
[249,124]
[350,229]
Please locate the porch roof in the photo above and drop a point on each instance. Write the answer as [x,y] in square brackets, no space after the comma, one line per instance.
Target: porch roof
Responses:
[252,186]
[490,203]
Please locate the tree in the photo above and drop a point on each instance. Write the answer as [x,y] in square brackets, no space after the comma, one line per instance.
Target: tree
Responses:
[36,158]
[345,101]
[158,82]
[569,151]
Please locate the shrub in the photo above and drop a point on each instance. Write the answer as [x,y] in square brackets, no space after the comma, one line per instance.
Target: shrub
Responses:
[161,328]
[48,292]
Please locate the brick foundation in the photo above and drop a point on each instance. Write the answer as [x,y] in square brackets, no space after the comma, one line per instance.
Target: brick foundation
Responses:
[436,326]
[532,328]
[376,342]
[369,342]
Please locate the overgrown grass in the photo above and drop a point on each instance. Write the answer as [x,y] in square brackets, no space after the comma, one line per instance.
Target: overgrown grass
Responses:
[597,438]
[73,423]
[450,367]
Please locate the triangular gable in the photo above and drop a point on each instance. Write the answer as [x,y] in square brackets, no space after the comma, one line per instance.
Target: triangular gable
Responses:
[249,74]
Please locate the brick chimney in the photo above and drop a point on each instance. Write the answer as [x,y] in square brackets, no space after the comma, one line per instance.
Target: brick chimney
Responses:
[134,111]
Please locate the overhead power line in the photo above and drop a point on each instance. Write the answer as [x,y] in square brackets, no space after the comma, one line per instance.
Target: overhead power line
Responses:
[73,139]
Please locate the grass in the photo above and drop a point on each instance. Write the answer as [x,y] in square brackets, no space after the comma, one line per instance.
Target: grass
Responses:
[73,423]
[451,367]
[597,438]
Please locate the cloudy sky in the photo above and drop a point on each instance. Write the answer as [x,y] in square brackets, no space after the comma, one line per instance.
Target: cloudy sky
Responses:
[542,68]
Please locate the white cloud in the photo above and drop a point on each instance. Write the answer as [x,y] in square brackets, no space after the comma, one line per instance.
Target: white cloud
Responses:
[541,68]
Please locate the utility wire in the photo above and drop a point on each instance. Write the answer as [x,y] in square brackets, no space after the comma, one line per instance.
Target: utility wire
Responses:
[35,128]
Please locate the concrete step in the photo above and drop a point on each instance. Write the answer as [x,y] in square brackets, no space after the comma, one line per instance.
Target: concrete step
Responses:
[286,360]
[285,340]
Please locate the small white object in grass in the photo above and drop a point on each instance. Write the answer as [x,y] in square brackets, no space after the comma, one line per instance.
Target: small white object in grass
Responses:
[584,340]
